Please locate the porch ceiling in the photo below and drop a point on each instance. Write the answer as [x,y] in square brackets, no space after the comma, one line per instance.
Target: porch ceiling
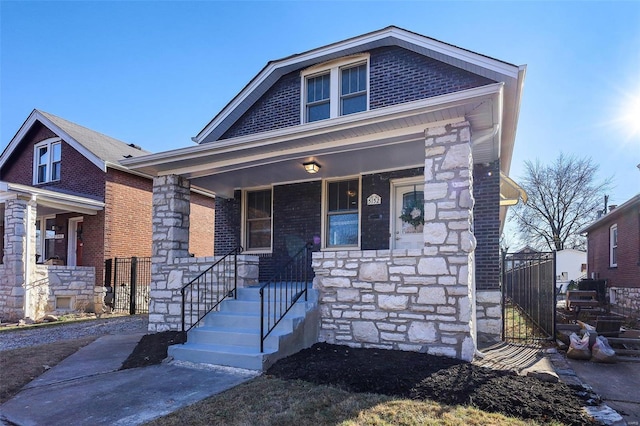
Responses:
[386,139]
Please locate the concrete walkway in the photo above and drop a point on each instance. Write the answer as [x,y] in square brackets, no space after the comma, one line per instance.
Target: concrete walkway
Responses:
[87,388]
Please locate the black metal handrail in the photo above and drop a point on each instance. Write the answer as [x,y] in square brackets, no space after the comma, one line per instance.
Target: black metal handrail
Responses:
[282,291]
[210,288]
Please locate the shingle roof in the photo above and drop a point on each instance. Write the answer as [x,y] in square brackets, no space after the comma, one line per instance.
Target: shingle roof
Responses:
[102,146]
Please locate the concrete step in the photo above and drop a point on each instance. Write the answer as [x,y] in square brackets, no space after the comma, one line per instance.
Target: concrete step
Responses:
[235,336]
[231,336]
[229,355]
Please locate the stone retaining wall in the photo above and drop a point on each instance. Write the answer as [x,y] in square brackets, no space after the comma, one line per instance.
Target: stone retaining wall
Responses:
[74,282]
[489,315]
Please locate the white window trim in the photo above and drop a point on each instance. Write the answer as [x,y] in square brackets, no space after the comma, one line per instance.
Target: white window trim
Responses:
[243,225]
[333,67]
[43,232]
[48,143]
[325,213]
[72,232]
[613,230]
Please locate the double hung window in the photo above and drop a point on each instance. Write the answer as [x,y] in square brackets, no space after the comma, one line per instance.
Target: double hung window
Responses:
[342,224]
[335,89]
[47,161]
[258,215]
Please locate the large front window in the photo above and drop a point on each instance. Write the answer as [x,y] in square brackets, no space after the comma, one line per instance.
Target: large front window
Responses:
[47,160]
[342,213]
[258,210]
[335,89]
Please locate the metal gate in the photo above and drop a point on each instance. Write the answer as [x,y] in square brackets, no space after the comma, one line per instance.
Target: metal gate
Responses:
[528,296]
[130,279]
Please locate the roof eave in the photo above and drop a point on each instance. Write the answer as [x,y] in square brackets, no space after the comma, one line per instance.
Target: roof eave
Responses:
[30,122]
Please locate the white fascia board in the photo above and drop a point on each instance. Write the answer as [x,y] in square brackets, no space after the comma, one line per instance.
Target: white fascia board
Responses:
[52,198]
[315,128]
[495,65]
[26,126]
[122,168]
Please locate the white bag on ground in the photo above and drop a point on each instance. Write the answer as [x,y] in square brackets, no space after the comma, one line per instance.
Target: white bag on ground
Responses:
[602,352]
[578,347]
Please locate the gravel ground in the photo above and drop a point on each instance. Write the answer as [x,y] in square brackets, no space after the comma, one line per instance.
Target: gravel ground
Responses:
[32,336]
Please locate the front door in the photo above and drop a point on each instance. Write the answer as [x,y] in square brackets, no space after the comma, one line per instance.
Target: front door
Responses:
[75,242]
[407,213]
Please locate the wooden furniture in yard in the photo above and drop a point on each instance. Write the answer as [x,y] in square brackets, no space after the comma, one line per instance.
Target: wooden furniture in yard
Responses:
[582,299]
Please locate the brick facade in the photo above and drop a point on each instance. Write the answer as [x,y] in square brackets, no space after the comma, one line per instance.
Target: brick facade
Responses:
[396,76]
[486,224]
[627,273]
[78,175]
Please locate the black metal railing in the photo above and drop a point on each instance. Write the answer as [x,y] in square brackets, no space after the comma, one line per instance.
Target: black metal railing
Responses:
[130,280]
[205,292]
[529,296]
[283,290]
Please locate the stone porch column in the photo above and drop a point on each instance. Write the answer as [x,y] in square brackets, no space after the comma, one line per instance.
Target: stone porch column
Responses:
[170,242]
[19,257]
[449,242]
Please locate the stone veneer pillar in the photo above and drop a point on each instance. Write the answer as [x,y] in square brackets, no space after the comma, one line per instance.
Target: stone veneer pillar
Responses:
[449,242]
[170,239]
[19,256]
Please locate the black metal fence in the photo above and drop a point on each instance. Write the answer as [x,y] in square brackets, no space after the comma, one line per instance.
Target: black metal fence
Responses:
[130,281]
[528,296]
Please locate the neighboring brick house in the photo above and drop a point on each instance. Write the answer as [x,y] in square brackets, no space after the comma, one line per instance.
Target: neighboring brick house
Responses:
[613,253]
[72,206]
[387,151]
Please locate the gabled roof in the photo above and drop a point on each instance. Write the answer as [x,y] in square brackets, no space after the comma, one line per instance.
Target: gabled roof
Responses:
[618,211]
[102,150]
[500,71]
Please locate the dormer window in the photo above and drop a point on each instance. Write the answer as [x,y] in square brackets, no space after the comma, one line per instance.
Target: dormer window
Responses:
[335,88]
[46,161]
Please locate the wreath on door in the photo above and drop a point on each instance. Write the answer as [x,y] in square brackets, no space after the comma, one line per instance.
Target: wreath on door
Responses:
[413,211]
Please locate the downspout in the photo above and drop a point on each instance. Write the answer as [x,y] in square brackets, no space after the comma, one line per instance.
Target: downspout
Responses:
[486,135]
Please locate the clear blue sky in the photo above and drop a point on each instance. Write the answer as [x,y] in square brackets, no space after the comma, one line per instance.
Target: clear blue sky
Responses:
[155,73]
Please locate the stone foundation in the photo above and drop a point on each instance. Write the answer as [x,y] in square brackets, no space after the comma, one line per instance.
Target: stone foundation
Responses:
[628,299]
[388,299]
[489,315]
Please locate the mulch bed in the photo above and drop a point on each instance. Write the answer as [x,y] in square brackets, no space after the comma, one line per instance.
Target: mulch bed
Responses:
[410,375]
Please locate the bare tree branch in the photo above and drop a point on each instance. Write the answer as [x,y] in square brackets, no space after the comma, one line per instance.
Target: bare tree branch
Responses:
[563,198]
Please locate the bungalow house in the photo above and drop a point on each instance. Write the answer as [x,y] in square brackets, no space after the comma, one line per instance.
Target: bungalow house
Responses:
[66,205]
[613,253]
[386,154]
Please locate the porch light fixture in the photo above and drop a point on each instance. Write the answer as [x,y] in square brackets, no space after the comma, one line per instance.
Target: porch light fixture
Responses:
[311,167]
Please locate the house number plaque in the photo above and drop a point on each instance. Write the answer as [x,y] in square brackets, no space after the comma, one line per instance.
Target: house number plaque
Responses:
[374,199]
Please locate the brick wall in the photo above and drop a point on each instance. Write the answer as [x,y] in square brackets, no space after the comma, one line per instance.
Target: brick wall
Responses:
[397,76]
[201,225]
[486,224]
[276,109]
[627,273]
[227,224]
[78,175]
[376,218]
[127,224]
